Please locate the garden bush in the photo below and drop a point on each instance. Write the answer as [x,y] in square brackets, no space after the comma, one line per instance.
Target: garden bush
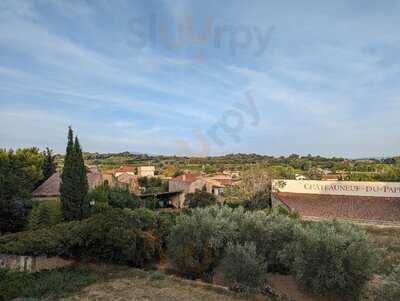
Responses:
[200,199]
[331,258]
[44,214]
[123,198]
[270,233]
[389,289]
[259,201]
[115,197]
[243,267]
[116,235]
[165,220]
[197,241]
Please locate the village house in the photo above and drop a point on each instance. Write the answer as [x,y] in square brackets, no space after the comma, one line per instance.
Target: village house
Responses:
[51,187]
[146,171]
[128,181]
[125,170]
[189,183]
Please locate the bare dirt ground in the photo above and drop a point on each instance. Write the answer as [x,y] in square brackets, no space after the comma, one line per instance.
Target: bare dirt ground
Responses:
[133,284]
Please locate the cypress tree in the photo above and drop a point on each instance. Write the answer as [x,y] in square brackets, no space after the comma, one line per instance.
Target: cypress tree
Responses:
[49,164]
[74,185]
[82,186]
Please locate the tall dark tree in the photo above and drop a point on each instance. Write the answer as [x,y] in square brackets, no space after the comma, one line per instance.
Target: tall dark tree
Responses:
[74,184]
[49,164]
[82,181]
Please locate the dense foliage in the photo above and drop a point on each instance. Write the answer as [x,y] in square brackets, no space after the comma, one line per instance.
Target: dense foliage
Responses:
[117,197]
[74,184]
[197,241]
[325,257]
[20,171]
[44,214]
[389,288]
[165,220]
[243,267]
[259,201]
[200,198]
[116,235]
[331,258]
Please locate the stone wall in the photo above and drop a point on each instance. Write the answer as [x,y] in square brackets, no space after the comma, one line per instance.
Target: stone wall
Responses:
[32,263]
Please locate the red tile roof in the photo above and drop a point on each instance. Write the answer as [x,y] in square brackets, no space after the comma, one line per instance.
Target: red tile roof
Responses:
[188,177]
[126,168]
[345,207]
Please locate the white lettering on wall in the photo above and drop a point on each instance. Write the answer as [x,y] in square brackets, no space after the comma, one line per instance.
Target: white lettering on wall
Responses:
[378,189]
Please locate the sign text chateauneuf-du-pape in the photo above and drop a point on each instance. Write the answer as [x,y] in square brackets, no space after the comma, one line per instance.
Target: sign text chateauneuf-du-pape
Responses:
[377,189]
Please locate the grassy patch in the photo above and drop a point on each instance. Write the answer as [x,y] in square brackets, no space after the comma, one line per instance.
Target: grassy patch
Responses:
[47,284]
[125,283]
[387,241]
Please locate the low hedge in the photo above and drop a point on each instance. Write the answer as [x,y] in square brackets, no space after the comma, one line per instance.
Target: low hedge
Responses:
[116,235]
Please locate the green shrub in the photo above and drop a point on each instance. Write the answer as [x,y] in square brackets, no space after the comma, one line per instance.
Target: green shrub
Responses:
[197,241]
[123,198]
[389,289]
[116,235]
[113,196]
[146,219]
[270,234]
[331,258]
[44,285]
[259,201]
[100,207]
[165,220]
[243,267]
[44,214]
[280,210]
[200,199]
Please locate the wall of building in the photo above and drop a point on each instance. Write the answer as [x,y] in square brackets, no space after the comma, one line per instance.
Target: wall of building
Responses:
[146,171]
[351,188]
[178,186]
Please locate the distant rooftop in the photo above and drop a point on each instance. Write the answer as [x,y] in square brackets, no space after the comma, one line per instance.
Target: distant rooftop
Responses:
[51,187]
[188,177]
[126,168]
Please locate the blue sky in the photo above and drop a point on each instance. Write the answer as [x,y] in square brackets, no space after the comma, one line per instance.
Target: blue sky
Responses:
[202,77]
